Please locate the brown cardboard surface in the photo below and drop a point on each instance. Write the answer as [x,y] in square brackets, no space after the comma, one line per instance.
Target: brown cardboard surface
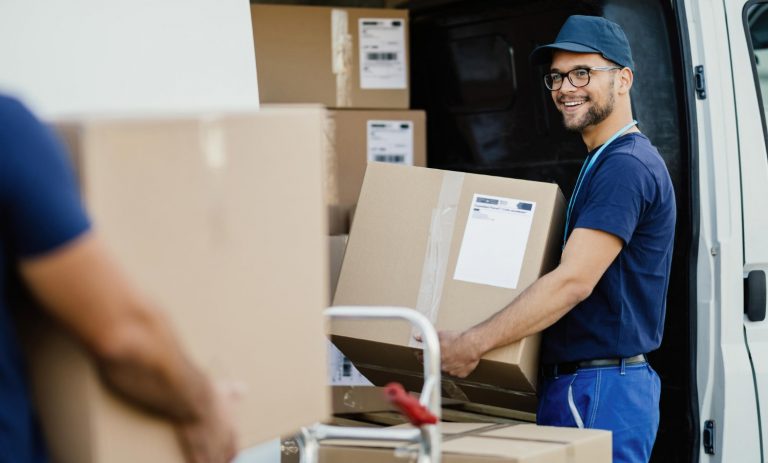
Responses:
[479,443]
[586,445]
[295,57]
[359,399]
[188,208]
[384,263]
[348,140]
[336,246]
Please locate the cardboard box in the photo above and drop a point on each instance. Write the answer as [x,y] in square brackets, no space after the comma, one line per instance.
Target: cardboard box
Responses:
[458,248]
[353,138]
[336,247]
[357,137]
[484,443]
[359,399]
[188,208]
[339,57]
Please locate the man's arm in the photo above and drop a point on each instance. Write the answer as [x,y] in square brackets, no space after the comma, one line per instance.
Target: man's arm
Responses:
[586,257]
[136,351]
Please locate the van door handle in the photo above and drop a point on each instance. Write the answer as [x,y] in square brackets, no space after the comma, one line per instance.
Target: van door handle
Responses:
[755,296]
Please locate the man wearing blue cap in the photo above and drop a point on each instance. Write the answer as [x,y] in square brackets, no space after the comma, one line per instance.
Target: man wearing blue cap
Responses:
[602,309]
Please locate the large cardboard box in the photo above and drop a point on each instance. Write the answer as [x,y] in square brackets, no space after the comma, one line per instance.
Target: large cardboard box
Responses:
[339,57]
[336,246]
[357,137]
[484,443]
[458,248]
[221,222]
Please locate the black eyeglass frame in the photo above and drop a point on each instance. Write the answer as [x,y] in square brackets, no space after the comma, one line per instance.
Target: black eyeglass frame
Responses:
[567,75]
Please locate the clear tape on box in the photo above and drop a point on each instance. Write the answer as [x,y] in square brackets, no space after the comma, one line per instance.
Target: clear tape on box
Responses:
[438,249]
[341,46]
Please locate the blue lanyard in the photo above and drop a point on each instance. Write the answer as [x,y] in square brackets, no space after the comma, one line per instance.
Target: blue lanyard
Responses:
[585,168]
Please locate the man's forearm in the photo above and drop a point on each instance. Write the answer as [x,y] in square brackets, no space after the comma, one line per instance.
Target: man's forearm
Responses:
[536,308]
[153,373]
[582,264]
[132,342]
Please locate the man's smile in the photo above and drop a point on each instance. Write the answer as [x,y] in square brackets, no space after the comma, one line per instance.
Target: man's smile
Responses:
[572,104]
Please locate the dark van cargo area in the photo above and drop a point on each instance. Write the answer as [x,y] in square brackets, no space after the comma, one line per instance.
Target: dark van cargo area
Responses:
[488,112]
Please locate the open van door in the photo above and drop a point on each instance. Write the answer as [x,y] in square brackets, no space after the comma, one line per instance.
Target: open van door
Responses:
[748,37]
[731,194]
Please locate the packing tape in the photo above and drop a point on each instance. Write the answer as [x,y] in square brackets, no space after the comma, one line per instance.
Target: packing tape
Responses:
[331,188]
[453,391]
[438,248]
[491,427]
[214,151]
[570,449]
[212,143]
[341,56]
[411,451]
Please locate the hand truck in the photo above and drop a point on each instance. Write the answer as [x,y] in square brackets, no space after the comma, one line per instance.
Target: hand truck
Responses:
[424,413]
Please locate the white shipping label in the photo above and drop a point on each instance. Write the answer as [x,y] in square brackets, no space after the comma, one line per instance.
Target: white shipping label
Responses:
[390,141]
[382,54]
[494,241]
[341,372]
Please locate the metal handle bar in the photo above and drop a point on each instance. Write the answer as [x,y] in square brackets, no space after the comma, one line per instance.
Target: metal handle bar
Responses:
[428,437]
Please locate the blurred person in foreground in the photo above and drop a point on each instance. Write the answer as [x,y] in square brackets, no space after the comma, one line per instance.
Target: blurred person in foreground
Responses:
[48,246]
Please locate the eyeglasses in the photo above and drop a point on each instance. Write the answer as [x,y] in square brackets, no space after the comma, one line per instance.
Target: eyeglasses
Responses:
[578,77]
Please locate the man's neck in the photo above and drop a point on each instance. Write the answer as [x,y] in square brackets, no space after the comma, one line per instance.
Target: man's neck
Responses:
[597,135]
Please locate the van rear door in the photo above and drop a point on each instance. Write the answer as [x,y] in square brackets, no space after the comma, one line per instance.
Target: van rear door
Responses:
[725,102]
[748,37]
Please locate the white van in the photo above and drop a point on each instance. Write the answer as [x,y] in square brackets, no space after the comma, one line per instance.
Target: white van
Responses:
[700,94]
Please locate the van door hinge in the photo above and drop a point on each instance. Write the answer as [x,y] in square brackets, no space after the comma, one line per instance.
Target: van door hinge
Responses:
[700,82]
[709,437]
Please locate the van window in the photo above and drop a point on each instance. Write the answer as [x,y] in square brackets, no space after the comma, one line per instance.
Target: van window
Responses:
[757,30]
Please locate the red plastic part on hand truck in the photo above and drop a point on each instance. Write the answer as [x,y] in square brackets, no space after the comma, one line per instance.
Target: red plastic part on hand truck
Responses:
[408,405]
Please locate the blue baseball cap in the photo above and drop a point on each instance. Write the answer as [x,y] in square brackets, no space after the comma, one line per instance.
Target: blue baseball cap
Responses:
[589,34]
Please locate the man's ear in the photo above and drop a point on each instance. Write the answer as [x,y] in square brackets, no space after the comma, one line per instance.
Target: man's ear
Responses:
[626,77]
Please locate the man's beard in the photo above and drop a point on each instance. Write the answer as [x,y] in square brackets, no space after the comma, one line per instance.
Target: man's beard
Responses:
[595,115]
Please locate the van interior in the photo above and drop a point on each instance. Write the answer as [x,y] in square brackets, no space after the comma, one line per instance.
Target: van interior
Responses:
[488,112]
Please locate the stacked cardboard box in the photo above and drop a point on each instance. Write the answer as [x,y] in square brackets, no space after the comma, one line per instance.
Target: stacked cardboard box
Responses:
[188,208]
[355,62]
[359,137]
[484,443]
[339,57]
[458,248]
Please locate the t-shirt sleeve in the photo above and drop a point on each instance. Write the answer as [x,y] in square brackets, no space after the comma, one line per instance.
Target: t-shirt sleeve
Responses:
[618,195]
[40,202]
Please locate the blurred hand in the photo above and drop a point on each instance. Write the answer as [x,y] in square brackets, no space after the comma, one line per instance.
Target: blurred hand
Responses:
[459,354]
[213,437]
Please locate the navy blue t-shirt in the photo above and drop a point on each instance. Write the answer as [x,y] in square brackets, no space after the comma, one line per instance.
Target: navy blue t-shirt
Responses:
[629,194]
[40,210]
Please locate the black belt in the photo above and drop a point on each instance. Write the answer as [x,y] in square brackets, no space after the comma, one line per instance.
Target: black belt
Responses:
[569,368]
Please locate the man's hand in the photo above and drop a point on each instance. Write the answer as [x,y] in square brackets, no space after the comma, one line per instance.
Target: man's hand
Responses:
[459,353]
[212,438]
[134,346]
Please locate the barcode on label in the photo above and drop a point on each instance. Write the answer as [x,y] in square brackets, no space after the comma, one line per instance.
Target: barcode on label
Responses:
[346,367]
[391,158]
[382,56]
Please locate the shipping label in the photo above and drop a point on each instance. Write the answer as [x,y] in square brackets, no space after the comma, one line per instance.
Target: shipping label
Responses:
[382,54]
[494,242]
[390,141]
[341,372]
